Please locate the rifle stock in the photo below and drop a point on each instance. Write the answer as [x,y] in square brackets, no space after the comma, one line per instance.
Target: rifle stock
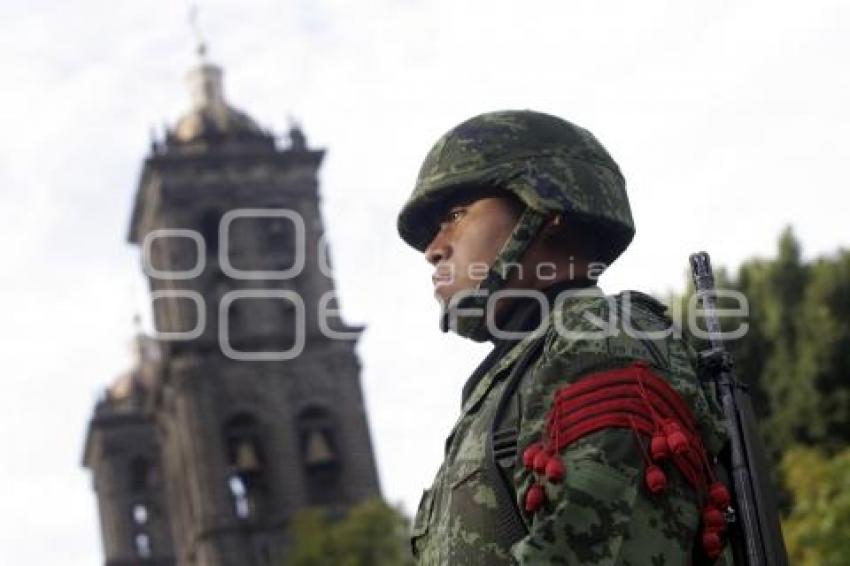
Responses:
[755,533]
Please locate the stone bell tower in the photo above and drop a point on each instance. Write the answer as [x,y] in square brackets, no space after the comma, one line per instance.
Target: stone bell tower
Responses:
[123,453]
[254,409]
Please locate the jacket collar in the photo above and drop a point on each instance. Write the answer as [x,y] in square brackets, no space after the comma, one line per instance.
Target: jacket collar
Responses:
[523,317]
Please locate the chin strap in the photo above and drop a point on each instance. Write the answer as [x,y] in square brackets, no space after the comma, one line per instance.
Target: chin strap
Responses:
[466,312]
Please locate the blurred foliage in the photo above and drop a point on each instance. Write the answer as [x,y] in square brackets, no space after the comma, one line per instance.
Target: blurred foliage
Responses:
[371,534]
[817,531]
[795,357]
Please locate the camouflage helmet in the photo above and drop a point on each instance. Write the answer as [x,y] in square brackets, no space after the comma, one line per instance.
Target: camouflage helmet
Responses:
[549,163]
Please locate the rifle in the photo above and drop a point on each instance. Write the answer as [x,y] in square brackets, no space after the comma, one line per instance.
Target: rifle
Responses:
[755,534]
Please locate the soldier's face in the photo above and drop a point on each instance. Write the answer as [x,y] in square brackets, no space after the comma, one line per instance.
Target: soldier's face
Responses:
[470,236]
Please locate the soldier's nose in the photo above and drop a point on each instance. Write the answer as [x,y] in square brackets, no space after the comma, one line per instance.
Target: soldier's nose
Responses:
[434,255]
[436,251]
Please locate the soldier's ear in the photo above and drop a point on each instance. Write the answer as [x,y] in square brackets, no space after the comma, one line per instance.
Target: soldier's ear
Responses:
[554,224]
[557,235]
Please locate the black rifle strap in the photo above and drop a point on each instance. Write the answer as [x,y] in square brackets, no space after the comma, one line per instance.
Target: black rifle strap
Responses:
[501,448]
[501,452]
[650,345]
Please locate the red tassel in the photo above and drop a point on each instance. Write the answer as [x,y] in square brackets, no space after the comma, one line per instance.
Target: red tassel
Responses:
[534,498]
[635,398]
[659,448]
[712,544]
[719,495]
[655,479]
[678,443]
[554,470]
[676,439]
[713,519]
[540,461]
[529,454]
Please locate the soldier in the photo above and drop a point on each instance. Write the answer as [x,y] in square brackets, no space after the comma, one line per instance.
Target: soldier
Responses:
[584,436]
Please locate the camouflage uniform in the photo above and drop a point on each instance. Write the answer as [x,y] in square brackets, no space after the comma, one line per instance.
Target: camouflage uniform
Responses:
[601,512]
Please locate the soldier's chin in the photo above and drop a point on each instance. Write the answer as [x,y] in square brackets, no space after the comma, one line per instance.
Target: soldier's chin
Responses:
[444,293]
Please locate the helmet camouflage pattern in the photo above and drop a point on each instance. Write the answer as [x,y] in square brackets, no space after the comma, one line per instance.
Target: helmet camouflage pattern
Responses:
[553,166]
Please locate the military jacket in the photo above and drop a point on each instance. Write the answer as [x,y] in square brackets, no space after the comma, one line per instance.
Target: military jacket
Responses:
[601,513]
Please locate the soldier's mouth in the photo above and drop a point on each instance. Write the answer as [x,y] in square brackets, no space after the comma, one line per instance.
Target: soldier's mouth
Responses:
[443,275]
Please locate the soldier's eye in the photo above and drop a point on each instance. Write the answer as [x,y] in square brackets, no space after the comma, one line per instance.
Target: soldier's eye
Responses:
[454,215]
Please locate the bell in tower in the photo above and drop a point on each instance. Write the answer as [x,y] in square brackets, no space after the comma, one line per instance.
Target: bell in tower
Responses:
[247,461]
[318,451]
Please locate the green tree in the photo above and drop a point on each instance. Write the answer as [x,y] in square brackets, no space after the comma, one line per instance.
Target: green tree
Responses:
[798,349]
[823,354]
[817,531]
[371,534]
[796,354]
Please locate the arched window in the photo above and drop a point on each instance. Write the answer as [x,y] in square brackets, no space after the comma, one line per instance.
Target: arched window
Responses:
[140,514]
[320,454]
[239,491]
[139,474]
[245,464]
[142,543]
[210,221]
[279,241]
[318,442]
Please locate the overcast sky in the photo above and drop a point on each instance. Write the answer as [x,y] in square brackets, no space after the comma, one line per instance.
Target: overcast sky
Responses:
[729,119]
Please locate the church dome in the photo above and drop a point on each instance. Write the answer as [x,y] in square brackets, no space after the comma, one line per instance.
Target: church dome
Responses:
[214,121]
[211,116]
